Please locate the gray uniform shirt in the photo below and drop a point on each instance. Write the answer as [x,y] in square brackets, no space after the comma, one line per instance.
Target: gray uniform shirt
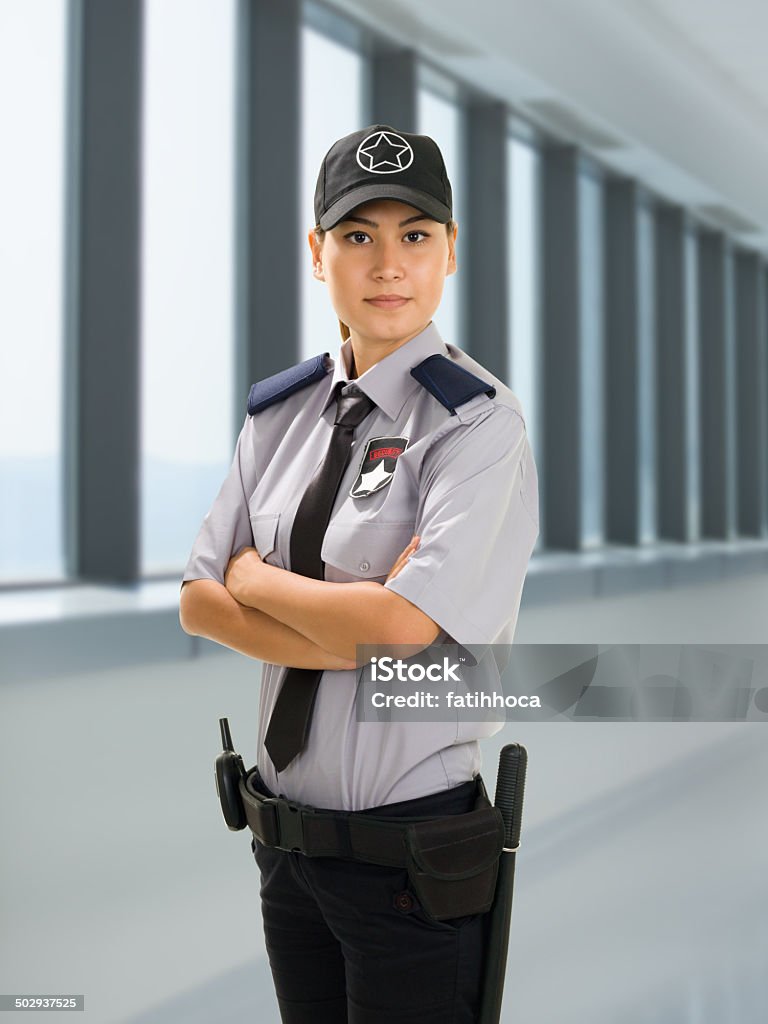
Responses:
[466,484]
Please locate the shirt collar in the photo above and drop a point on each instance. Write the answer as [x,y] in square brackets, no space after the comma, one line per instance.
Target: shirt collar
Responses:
[389,383]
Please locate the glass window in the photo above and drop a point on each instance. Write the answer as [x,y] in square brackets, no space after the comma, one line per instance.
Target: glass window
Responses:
[524,333]
[331,106]
[441,120]
[187,271]
[32,101]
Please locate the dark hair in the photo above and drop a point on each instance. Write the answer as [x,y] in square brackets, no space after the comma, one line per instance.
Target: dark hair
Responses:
[320,234]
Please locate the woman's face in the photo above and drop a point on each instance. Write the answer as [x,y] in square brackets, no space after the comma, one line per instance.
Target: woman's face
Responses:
[385,247]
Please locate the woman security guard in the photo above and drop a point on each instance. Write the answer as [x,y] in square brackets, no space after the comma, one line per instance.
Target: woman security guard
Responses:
[386,497]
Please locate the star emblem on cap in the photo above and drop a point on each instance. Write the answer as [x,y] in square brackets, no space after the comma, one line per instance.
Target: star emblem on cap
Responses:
[384,153]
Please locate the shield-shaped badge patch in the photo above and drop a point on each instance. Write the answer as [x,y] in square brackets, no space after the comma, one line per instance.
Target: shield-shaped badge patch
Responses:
[378,464]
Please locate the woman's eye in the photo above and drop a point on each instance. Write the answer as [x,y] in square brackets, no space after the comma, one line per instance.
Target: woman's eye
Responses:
[359,237]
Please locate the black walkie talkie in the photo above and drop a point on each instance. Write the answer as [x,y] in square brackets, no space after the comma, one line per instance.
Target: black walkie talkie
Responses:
[229,770]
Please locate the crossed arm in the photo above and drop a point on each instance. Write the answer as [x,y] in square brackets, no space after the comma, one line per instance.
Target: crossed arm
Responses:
[286,619]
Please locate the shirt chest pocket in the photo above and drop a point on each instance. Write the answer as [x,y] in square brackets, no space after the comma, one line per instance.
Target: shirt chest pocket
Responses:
[264,530]
[366,550]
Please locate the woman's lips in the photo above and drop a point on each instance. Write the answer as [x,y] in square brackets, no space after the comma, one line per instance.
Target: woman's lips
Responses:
[387,303]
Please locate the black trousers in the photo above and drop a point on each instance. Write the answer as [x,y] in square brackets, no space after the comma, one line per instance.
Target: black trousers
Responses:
[348,942]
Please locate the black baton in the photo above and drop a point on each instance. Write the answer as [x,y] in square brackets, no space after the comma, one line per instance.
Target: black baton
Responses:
[510,785]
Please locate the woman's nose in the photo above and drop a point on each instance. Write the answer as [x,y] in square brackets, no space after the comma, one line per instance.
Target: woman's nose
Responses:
[388,260]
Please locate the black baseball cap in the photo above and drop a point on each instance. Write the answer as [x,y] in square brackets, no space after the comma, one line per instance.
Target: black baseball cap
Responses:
[379,162]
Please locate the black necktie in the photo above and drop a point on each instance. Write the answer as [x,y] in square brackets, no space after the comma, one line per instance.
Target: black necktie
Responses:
[289,725]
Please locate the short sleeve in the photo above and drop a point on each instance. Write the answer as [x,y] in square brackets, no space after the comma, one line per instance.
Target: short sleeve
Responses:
[478,524]
[226,526]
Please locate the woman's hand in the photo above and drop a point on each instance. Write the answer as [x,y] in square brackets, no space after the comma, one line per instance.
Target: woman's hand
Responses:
[403,557]
[239,573]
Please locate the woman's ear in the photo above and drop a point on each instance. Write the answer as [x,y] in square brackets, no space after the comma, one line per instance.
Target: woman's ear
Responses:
[451,265]
[317,255]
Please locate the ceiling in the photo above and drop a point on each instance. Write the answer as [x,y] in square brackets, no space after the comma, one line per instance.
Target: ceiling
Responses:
[728,39]
[674,92]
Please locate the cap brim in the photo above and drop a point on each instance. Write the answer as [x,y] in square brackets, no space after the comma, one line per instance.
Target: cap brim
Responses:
[382,190]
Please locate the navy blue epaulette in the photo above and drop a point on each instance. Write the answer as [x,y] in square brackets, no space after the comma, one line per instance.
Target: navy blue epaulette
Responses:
[277,387]
[450,383]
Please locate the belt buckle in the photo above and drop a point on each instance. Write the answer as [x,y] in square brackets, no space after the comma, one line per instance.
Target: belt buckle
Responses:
[290,818]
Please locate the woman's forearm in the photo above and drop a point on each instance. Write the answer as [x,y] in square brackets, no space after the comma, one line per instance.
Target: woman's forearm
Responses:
[340,616]
[206,608]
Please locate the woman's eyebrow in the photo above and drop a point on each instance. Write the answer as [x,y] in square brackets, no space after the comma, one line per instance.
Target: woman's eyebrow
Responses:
[373,224]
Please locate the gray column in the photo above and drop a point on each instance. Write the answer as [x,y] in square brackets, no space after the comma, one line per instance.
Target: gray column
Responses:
[561,343]
[267,198]
[717,387]
[751,430]
[102,345]
[677,405]
[392,85]
[764,343]
[486,265]
[628,427]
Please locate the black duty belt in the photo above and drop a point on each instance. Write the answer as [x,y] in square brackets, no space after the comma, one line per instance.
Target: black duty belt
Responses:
[452,861]
[296,827]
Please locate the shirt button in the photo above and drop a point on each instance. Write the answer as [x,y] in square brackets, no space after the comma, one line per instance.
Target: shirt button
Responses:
[403,901]
[365,566]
